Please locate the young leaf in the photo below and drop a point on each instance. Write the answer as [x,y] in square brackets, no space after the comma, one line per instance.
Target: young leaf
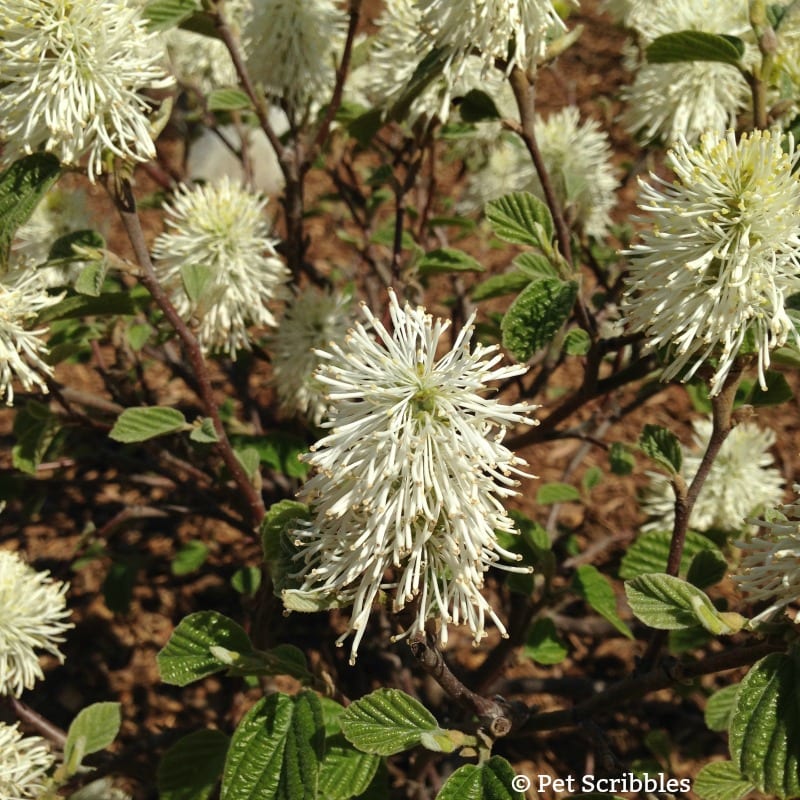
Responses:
[228,100]
[276,750]
[187,655]
[720,707]
[246,580]
[721,780]
[204,432]
[537,315]
[662,446]
[521,218]
[535,266]
[667,603]
[577,342]
[140,424]
[621,459]
[387,721]
[93,729]
[491,780]
[190,557]
[764,735]
[695,46]
[35,429]
[447,259]
[22,185]
[499,285]
[596,590]
[164,14]
[650,553]
[90,281]
[272,526]
[191,768]
[550,493]
[196,278]
[543,644]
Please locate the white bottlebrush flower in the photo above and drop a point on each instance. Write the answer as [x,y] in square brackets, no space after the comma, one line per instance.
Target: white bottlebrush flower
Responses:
[293,47]
[312,320]
[770,565]
[411,477]
[70,78]
[515,31]
[723,254]
[24,764]
[22,350]
[743,481]
[220,232]
[33,613]
[669,101]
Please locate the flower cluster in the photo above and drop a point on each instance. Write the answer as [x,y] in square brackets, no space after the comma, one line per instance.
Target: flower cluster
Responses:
[220,233]
[723,254]
[669,101]
[33,611]
[292,47]
[410,477]
[70,79]
[312,320]
[770,565]
[742,481]
[24,764]
[22,351]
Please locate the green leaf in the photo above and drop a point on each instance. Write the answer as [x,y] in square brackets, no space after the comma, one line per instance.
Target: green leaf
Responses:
[778,390]
[707,568]
[577,342]
[204,432]
[684,640]
[695,46]
[189,558]
[35,429]
[537,315]
[543,644]
[90,281]
[191,768]
[246,580]
[195,279]
[164,14]
[278,516]
[63,248]
[140,424]
[118,585]
[650,553]
[596,590]
[535,266]
[621,459]
[721,781]
[276,750]
[447,259]
[521,218]
[499,285]
[278,450]
[364,127]
[764,735]
[187,655]
[387,721]
[425,73]
[228,100]
[111,304]
[550,493]
[719,708]
[22,186]
[591,478]
[92,730]
[662,446]
[667,603]
[491,780]
[346,772]
[477,106]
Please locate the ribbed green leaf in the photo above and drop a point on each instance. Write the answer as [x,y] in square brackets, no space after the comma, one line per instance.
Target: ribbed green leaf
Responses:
[719,708]
[228,100]
[491,780]
[662,446]
[164,14]
[499,285]
[93,729]
[695,46]
[535,266]
[187,655]
[620,459]
[387,721]
[668,603]
[721,781]
[346,772]
[596,590]
[521,218]
[549,493]
[140,424]
[577,342]
[543,644]
[276,750]
[191,768]
[22,185]
[765,730]
[650,553]
[111,304]
[537,315]
[448,259]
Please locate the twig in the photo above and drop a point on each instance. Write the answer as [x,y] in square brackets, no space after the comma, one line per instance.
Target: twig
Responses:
[37,722]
